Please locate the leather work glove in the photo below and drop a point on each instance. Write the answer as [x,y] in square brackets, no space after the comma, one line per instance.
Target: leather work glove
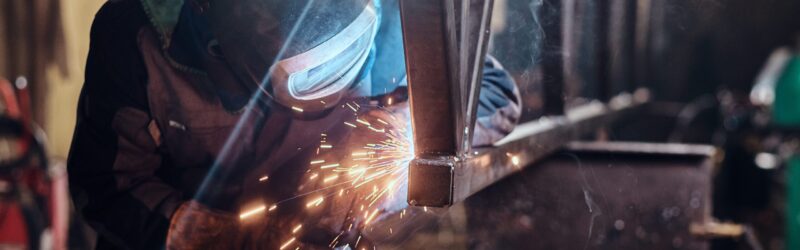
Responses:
[196,226]
[209,221]
[499,105]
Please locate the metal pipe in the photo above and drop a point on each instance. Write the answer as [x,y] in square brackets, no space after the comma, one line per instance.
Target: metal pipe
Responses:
[476,17]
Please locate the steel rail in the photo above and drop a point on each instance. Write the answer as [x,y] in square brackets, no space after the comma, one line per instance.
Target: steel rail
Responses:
[528,143]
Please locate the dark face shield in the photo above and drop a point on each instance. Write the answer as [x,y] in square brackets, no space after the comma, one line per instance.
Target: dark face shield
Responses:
[304,54]
[318,79]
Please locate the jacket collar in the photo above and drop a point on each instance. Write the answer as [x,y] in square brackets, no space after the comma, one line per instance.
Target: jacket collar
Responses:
[163,15]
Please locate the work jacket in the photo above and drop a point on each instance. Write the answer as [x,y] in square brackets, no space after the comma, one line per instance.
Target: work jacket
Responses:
[149,127]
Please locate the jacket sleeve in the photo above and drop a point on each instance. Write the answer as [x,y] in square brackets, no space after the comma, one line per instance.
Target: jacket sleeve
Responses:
[114,156]
[498,105]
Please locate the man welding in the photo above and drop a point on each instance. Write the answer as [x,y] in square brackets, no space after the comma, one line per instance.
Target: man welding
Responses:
[186,100]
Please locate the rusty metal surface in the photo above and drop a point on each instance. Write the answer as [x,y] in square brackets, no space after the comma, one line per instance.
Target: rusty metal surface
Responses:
[622,196]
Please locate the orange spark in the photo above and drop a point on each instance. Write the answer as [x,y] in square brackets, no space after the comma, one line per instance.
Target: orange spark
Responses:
[252,212]
[289,242]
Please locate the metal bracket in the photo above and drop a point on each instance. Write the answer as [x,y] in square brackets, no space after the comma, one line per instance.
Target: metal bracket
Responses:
[444,50]
[445,44]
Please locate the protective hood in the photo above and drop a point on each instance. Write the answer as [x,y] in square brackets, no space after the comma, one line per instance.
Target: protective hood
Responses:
[302,53]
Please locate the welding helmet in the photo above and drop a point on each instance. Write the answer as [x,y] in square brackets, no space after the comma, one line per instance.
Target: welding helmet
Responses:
[305,54]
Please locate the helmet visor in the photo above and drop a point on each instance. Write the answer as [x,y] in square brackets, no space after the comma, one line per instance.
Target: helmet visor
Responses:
[319,77]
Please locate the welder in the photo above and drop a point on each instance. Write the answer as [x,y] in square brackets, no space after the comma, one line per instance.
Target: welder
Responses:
[188,95]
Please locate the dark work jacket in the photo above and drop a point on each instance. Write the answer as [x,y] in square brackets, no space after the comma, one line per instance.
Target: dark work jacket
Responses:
[147,131]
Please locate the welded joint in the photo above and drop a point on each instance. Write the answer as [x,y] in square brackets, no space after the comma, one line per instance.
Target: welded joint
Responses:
[432,178]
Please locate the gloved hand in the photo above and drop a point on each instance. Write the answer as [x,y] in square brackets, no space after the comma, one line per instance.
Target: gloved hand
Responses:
[209,221]
[498,105]
[196,226]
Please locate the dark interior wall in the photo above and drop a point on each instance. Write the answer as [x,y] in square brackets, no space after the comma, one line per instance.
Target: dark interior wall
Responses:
[697,47]
[679,49]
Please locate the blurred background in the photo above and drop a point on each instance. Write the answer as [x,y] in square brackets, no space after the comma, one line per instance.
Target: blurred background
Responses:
[47,41]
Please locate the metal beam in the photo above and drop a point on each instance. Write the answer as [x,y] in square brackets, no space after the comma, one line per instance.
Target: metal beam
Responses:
[529,143]
[598,186]
[444,49]
[433,95]
[429,37]
[475,21]
[445,44]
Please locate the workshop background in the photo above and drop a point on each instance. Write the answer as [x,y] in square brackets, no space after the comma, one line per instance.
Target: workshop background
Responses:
[47,41]
[699,59]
